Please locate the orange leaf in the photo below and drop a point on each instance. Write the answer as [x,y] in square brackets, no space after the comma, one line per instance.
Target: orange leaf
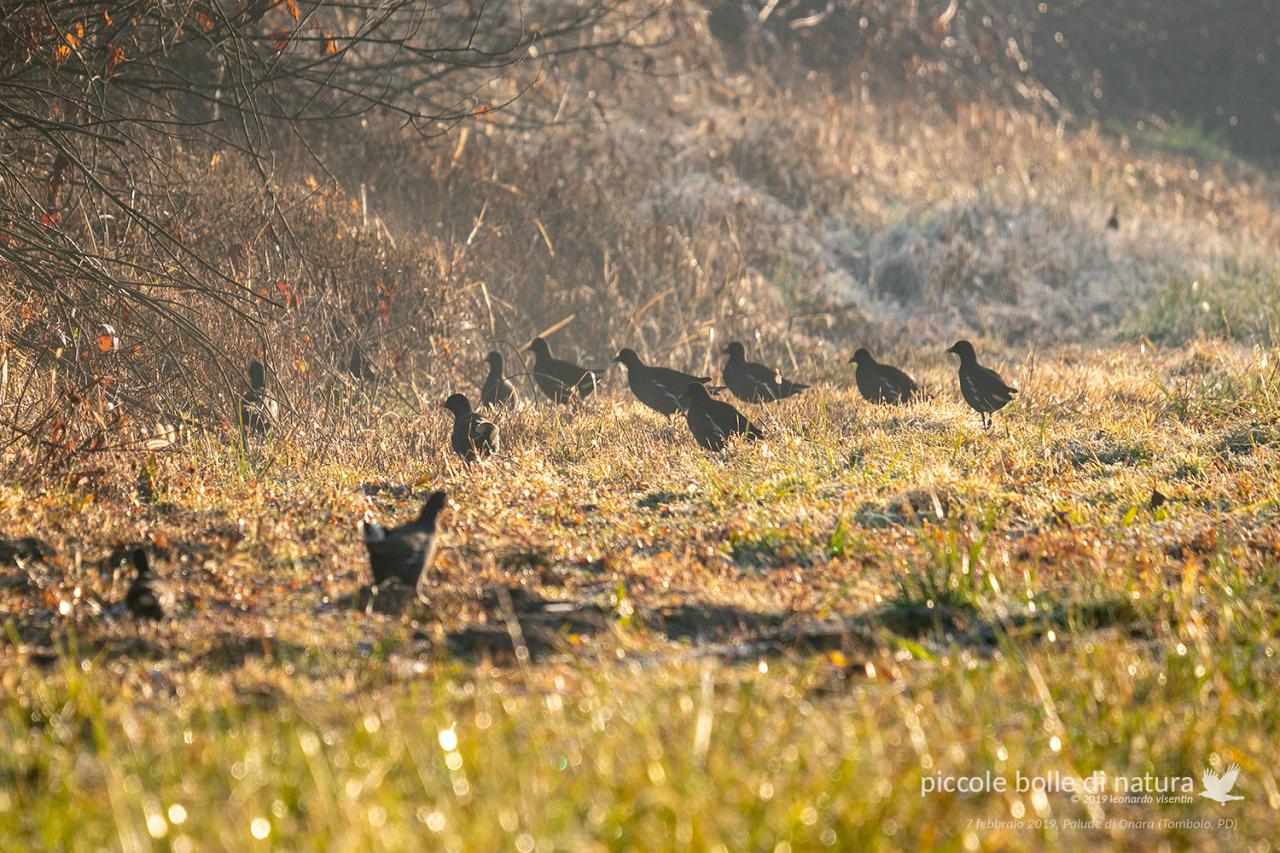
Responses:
[204,20]
[106,343]
[330,46]
[292,6]
[114,57]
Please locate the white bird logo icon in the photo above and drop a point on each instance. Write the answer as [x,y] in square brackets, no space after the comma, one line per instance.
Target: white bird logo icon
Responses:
[1218,788]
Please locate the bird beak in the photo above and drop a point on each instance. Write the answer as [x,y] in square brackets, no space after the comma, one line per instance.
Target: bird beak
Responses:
[951,349]
[443,406]
[724,350]
[851,360]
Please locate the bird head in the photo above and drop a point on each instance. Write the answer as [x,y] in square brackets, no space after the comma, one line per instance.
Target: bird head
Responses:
[695,392]
[964,349]
[257,376]
[431,509]
[539,348]
[495,359]
[861,356]
[458,404]
[735,349]
[628,357]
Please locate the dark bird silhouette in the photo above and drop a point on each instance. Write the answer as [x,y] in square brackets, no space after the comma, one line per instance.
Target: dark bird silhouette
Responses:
[258,410]
[562,381]
[359,366]
[755,383]
[659,388]
[712,421]
[405,552]
[149,596]
[982,387]
[1113,222]
[473,436]
[882,383]
[26,549]
[496,390]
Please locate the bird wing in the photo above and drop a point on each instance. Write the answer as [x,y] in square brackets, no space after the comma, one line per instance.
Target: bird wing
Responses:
[1212,784]
[984,389]
[483,433]
[675,380]
[400,555]
[727,418]
[997,381]
[763,374]
[898,383]
[1229,778]
[667,396]
[571,375]
[708,429]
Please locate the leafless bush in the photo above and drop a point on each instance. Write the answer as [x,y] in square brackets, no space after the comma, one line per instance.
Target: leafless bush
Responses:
[166,211]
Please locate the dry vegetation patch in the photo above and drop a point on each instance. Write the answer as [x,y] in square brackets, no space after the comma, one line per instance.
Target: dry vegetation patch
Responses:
[602,565]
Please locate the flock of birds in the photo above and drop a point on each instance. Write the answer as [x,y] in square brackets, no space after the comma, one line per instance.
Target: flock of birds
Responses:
[400,556]
[711,421]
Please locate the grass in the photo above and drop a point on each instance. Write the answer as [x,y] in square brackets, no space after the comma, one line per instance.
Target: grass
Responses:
[771,647]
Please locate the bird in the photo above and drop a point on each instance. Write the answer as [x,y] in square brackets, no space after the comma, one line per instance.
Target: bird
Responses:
[405,552]
[359,366]
[882,383]
[659,388]
[755,383]
[562,381]
[473,435]
[496,390]
[258,410]
[1218,788]
[149,596]
[1113,222]
[712,421]
[982,387]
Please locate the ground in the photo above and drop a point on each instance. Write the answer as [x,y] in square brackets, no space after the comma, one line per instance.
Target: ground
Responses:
[632,643]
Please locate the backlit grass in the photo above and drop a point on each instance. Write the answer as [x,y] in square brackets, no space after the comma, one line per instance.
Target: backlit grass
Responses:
[1006,601]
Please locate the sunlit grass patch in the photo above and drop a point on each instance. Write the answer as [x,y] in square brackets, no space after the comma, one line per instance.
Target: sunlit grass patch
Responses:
[628,640]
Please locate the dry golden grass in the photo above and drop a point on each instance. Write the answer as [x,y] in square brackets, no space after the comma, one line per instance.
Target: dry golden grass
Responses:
[768,648]
[911,596]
